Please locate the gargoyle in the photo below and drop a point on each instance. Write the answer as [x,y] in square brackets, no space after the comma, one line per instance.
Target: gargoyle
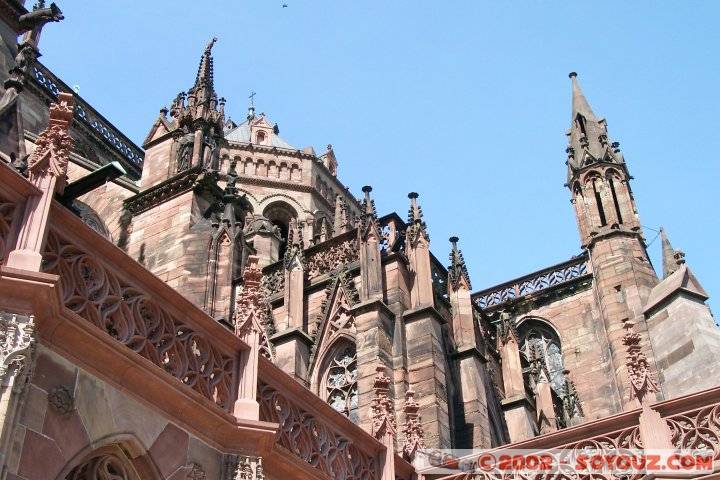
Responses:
[40,16]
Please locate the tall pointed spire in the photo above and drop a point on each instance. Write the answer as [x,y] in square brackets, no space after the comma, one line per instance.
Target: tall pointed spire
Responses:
[671,258]
[580,104]
[457,271]
[588,135]
[205,76]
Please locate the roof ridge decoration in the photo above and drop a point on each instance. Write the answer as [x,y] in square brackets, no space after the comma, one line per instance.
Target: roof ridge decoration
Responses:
[457,270]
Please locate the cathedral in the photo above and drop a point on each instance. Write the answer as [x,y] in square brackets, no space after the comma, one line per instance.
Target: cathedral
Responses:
[217,304]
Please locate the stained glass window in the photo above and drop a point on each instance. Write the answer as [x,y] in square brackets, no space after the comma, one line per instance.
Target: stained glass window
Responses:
[540,342]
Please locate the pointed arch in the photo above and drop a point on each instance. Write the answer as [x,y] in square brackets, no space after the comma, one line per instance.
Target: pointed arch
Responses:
[540,341]
[121,457]
[335,348]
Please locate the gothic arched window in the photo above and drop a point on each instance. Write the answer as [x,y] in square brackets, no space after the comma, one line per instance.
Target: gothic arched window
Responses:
[539,343]
[339,383]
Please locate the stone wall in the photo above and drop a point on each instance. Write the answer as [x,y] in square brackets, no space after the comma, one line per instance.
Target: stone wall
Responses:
[68,414]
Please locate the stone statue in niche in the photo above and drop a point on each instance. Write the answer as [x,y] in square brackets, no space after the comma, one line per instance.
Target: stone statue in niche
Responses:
[185,150]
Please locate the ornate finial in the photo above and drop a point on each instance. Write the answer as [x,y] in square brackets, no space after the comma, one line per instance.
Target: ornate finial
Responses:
[572,74]
[383,418]
[642,381]
[342,223]
[368,203]
[457,271]
[295,245]
[572,406]
[209,45]
[252,310]
[506,329]
[52,147]
[671,258]
[412,429]
[417,228]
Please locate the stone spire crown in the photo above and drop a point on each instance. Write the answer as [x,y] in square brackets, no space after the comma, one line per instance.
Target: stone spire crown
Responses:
[204,87]
[588,140]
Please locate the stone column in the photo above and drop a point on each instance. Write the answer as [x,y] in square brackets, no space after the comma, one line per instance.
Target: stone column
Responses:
[473,426]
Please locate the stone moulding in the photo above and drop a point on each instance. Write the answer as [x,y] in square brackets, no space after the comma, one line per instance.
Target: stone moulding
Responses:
[542,280]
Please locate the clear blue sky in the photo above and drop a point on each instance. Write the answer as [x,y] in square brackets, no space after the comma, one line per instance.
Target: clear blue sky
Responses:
[465,102]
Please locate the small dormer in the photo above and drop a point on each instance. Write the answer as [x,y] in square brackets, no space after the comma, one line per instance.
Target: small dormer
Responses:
[261,131]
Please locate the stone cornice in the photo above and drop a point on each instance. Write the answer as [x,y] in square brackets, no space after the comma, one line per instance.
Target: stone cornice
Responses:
[292,333]
[170,188]
[419,313]
[372,305]
[468,352]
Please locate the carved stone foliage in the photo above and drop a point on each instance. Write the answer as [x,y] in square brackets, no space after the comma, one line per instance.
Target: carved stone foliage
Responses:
[273,282]
[7,211]
[94,292]
[164,191]
[331,258]
[61,400]
[535,283]
[383,416]
[241,467]
[252,310]
[53,145]
[642,381]
[314,442]
[412,429]
[17,344]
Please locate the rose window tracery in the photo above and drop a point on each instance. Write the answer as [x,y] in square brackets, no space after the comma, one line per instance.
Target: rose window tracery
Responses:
[341,382]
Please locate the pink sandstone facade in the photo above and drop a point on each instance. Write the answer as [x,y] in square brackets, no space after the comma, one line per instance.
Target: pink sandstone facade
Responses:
[218,305]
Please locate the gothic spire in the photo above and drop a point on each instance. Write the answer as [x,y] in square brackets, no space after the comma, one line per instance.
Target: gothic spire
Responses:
[417,227]
[671,258]
[588,135]
[205,76]
[457,271]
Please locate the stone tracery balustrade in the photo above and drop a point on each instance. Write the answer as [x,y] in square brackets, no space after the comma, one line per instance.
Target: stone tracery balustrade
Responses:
[332,256]
[134,317]
[313,441]
[696,428]
[90,117]
[536,282]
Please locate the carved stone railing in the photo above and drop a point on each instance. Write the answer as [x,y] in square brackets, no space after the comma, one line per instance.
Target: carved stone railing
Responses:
[315,433]
[102,285]
[694,422]
[532,283]
[131,153]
